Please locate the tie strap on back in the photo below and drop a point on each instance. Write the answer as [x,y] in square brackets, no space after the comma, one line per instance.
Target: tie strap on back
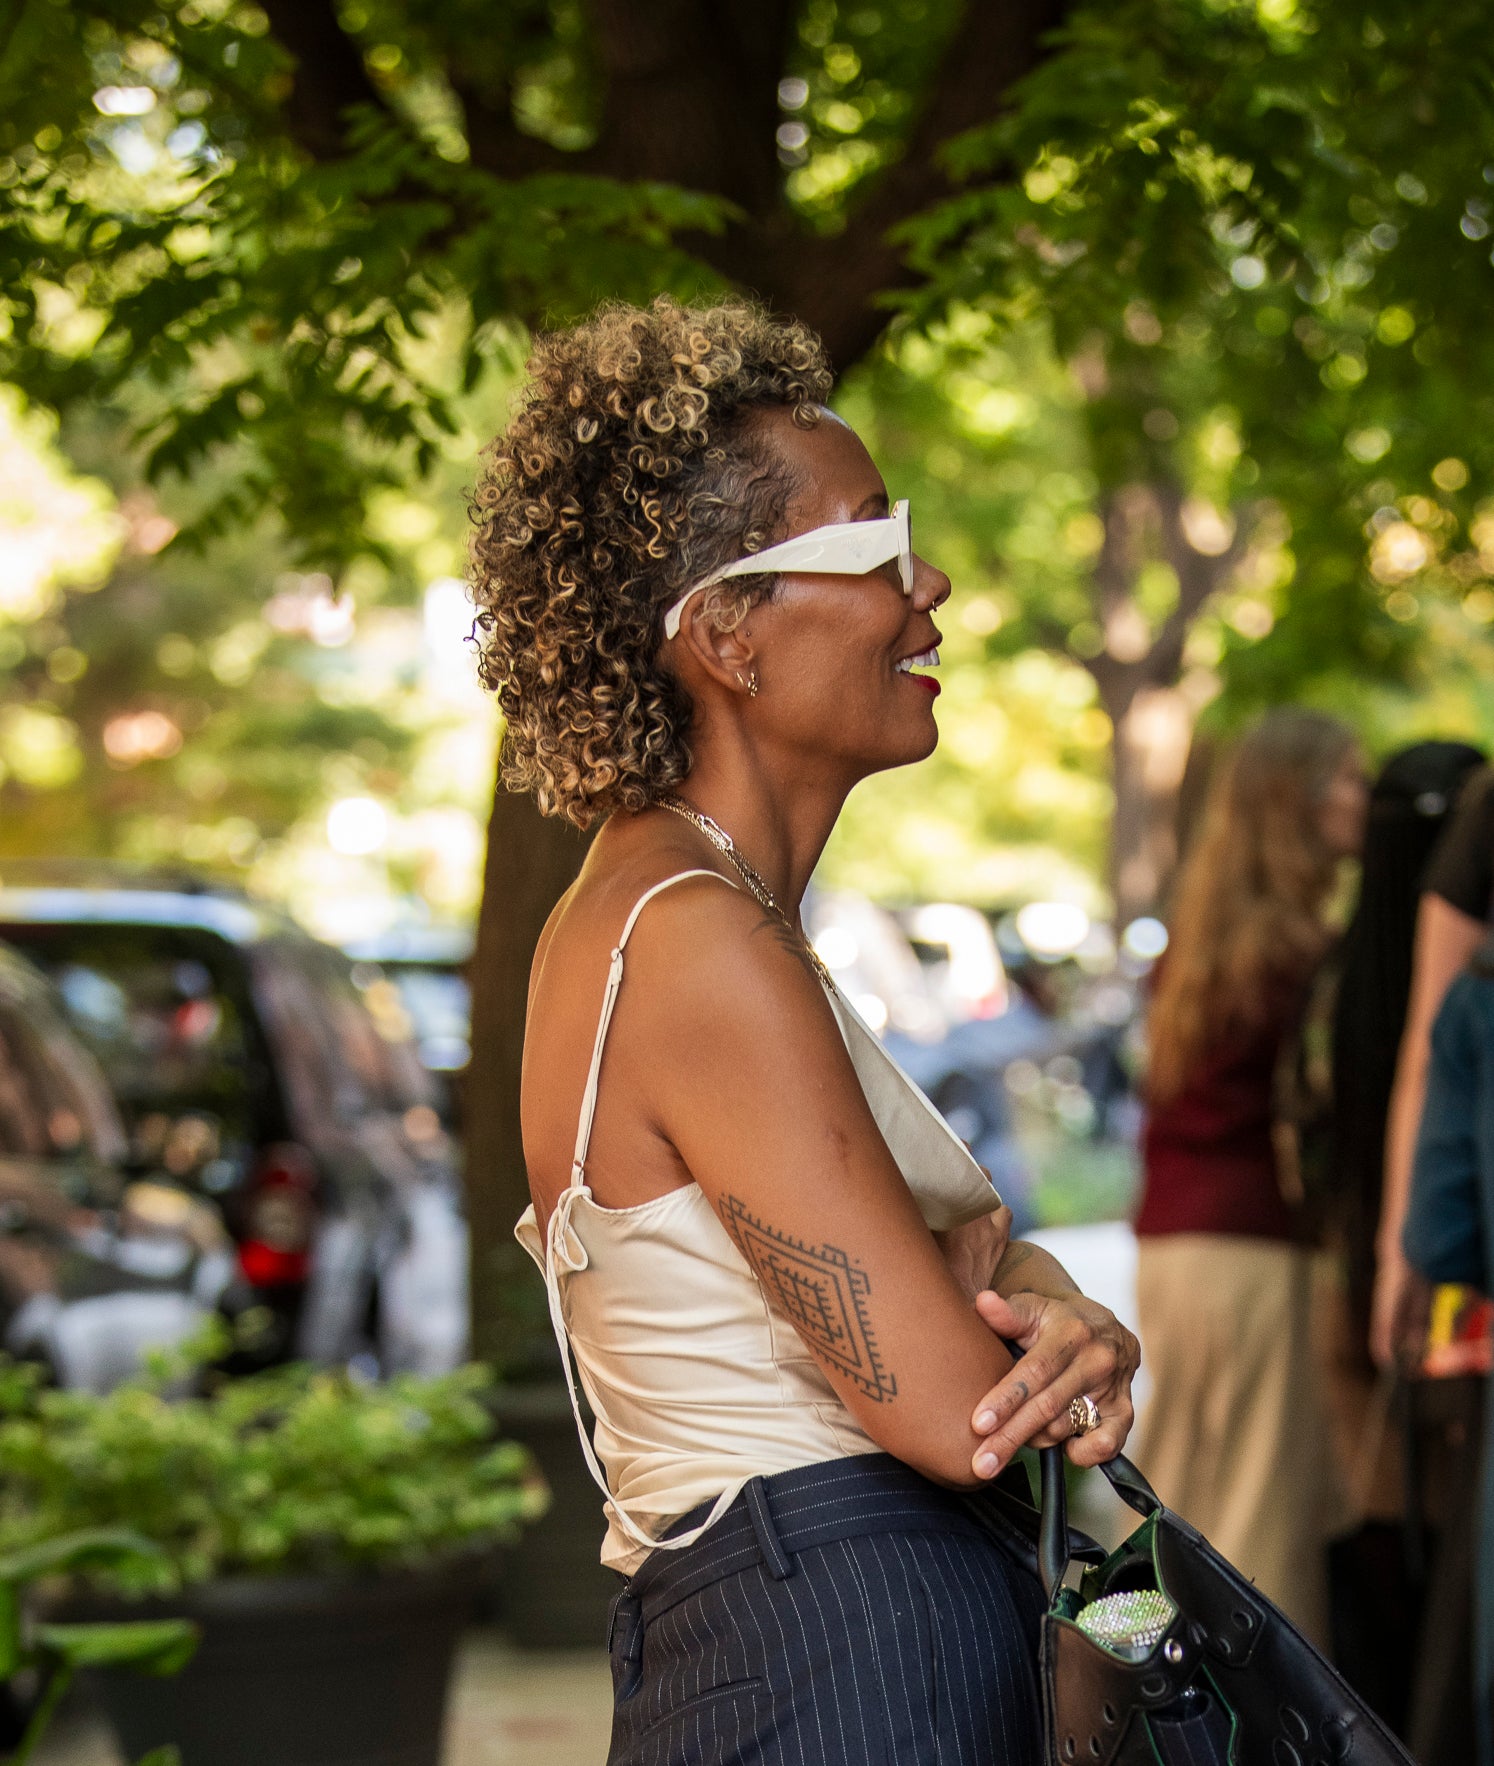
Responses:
[565,1251]
[609,1002]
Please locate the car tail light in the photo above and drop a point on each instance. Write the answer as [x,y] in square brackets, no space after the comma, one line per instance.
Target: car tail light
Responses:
[279,1219]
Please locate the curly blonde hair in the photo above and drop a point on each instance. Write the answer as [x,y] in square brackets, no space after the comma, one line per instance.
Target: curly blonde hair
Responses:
[629,471]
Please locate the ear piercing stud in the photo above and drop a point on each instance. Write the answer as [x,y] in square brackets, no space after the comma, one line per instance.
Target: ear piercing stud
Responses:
[750,683]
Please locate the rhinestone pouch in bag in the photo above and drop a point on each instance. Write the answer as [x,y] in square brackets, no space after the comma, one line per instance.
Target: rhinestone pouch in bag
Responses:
[1164,1655]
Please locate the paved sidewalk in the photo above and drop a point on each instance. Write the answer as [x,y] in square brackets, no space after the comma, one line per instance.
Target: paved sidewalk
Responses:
[508,1708]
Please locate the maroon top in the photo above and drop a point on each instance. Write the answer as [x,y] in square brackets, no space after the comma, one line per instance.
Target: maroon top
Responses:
[1208,1162]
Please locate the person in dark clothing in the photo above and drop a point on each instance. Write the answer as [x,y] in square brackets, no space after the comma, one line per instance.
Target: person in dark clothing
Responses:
[1410,805]
[1399,1634]
[1451,923]
[1449,1238]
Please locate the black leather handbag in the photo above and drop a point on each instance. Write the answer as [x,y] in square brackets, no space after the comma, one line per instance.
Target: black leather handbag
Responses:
[1166,1656]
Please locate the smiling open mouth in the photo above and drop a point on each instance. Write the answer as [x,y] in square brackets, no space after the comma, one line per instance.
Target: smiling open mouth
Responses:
[924,659]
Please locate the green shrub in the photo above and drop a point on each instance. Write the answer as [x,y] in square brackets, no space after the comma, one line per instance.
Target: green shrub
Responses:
[298,1470]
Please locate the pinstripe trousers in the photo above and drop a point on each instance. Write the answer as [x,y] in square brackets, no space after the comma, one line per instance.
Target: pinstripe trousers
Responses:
[843,1614]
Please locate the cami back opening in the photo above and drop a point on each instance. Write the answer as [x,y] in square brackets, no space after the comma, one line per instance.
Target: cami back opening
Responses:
[696,1382]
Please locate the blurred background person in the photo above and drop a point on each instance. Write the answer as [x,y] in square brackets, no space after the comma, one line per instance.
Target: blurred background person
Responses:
[1232,1434]
[1437,1338]
[1451,923]
[1448,1232]
[1400,1617]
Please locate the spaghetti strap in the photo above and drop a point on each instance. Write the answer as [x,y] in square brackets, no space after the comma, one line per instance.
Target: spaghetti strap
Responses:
[609,1000]
[563,1247]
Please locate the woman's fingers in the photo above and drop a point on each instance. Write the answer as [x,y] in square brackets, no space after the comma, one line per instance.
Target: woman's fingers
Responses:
[1108,1439]
[1074,1348]
[1043,1419]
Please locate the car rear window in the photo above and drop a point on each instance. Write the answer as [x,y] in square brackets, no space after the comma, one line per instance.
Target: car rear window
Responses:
[165,1011]
[53,1099]
[340,1057]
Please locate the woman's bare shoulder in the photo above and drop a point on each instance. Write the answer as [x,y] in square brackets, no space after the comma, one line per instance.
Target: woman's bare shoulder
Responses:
[593,913]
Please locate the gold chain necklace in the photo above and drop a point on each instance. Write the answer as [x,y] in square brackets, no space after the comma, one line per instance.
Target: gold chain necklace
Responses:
[727,847]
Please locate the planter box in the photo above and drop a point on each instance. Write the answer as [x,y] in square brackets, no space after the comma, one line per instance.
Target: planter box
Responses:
[301,1671]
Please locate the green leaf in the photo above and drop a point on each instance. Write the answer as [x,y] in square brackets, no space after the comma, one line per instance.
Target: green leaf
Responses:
[91,1547]
[149,1646]
[11,1641]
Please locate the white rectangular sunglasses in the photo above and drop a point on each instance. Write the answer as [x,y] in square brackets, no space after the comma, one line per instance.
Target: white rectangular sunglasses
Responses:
[845,548]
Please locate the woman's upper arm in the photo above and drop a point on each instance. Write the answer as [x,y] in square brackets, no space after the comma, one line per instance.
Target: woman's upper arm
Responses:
[1446,938]
[1443,1235]
[759,1098]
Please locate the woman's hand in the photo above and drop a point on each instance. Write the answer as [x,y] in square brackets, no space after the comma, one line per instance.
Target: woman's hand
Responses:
[1074,1347]
[1399,1310]
[973,1251]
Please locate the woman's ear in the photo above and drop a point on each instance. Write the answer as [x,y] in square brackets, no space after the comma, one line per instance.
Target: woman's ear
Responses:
[726,657]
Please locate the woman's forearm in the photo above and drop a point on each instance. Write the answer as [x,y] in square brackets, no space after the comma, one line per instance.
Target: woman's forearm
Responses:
[1028,1268]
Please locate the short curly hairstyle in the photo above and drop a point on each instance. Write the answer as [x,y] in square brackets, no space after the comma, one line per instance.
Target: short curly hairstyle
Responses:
[629,471]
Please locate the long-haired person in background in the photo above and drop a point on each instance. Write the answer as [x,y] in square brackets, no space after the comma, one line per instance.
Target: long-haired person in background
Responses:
[1405,1652]
[785,1282]
[1232,1435]
[1437,1340]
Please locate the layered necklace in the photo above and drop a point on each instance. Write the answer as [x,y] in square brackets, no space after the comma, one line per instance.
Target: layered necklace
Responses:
[727,847]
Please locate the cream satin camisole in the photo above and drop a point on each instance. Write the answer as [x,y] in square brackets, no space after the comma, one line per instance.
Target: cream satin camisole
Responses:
[697,1384]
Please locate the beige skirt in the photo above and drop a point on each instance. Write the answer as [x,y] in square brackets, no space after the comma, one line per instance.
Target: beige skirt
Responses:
[1235,1436]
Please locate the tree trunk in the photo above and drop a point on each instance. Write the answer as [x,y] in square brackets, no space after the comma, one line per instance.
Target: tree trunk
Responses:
[531,861]
[1149,752]
[1141,677]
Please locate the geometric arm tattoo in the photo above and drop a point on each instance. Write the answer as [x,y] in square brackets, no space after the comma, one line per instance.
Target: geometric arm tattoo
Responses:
[821,1295]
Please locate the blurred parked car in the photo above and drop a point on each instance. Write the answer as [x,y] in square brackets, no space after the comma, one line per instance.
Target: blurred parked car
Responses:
[95,1269]
[874,965]
[428,966]
[259,1076]
[1019,1048]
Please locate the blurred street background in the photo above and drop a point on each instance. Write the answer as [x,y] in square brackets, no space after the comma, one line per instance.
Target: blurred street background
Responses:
[1170,318]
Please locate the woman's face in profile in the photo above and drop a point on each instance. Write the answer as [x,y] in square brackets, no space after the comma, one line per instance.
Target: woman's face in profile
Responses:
[833,652]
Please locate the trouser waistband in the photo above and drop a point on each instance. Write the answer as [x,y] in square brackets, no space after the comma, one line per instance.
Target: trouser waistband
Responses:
[789,1512]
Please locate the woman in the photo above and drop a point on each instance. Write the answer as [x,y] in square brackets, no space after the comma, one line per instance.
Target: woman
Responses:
[1232,1437]
[1449,1223]
[738,1199]
[1439,1341]
[1413,797]
[1452,921]
[1407,1654]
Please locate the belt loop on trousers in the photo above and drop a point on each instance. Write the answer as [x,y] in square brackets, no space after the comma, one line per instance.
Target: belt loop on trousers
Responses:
[625,1627]
[780,1564]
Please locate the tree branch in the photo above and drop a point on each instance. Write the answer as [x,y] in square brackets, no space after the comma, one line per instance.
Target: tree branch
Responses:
[330,77]
[1199,575]
[497,144]
[833,282]
[691,94]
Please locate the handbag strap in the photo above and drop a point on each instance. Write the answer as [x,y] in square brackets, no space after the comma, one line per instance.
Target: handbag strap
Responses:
[1053,1535]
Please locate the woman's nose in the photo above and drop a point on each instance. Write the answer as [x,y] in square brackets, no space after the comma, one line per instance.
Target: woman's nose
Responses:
[931,587]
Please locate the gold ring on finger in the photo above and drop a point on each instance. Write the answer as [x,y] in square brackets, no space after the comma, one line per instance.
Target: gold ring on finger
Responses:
[1084,1414]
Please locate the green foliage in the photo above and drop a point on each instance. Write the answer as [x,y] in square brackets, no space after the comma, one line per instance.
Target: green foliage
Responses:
[162,233]
[55,1652]
[1234,253]
[296,1470]
[1266,225]
[252,726]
